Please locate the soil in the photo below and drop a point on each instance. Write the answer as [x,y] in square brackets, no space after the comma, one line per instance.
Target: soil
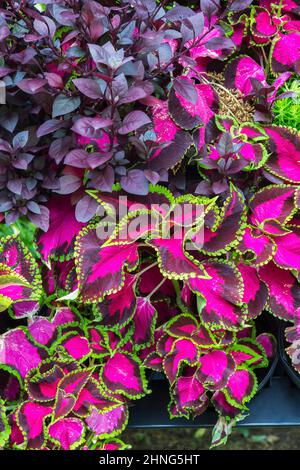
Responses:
[191,439]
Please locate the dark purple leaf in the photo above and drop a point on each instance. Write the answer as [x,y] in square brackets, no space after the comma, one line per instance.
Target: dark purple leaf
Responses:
[69,184]
[134,121]
[135,183]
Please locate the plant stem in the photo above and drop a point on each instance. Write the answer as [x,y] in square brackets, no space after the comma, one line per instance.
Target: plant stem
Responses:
[156,288]
[147,268]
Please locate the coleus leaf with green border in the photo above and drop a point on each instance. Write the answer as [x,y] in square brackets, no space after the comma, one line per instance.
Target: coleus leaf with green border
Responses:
[20,263]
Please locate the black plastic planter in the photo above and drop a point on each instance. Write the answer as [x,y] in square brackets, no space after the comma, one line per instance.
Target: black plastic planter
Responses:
[291,372]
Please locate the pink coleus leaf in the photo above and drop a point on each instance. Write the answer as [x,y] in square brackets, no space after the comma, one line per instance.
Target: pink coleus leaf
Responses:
[182,326]
[272,203]
[222,405]
[101,269]
[201,114]
[91,397]
[286,53]
[186,326]
[41,329]
[240,71]
[144,322]
[63,315]
[58,241]
[185,113]
[64,404]
[117,309]
[168,132]
[76,346]
[285,153]
[268,343]
[43,387]
[174,261]
[256,247]
[68,433]
[124,374]
[97,341]
[287,255]
[109,423]
[241,387]
[214,369]
[153,361]
[255,292]
[230,228]
[189,392]
[30,418]
[248,353]
[223,295]
[17,257]
[262,25]
[183,351]
[284,291]
[18,352]
[74,382]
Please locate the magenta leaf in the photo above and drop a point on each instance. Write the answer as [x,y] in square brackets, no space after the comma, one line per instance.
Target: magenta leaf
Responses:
[17,257]
[285,153]
[43,387]
[41,330]
[256,247]
[272,203]
[74,382]
[263,26]
[183,351]
[229,229]
[97,341]
[255,292]
[144,322]
[76,346]
[58,241]
[101,269]
[189,392]
[268,343]
[182,326]
[92,397]
[153,361]
[168,133]
[284,291]
[68,433]
[241,387]
[116,310]
[287,255]
[174,261]
[109,423]
[286,53]
[248,353]
[188,116]
[222,405]
[240,71]
[18,352]
[64,404]
[223,295]
[215,369]
[30,418]
[124,374]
